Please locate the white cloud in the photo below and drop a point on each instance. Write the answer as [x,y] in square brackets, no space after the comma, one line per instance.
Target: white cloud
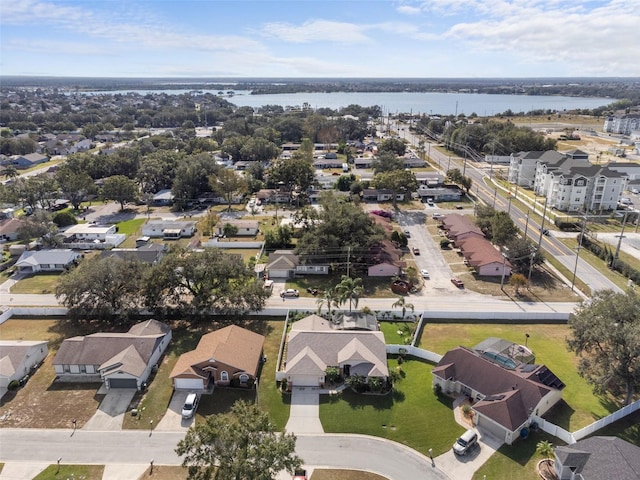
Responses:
[316,31]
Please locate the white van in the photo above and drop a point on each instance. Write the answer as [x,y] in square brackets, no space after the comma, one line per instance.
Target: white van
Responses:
[190,406]
[345,167]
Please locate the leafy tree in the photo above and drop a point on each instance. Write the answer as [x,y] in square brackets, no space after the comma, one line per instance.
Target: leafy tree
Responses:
[242,444]
[11,172]
[74,185]
[228,184]
[203,282]
[103,287]
[503,228]
[545,449]
[349,289]
[386,162]
[64,219]
[279,237]
[605,333]
[39,226]
[192,179]
[345,181]
[120,189]
[157,170]
[293,172]
[393,145]
[332,374]
[342,230]
[229,230]
[519,254]
[517,281]
[398,181]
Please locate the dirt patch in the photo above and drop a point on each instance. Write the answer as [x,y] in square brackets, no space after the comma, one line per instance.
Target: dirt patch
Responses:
[45,403]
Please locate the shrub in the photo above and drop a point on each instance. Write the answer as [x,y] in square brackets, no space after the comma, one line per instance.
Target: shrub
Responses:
[445,243]
[64,219]
[437,389]
[13,385]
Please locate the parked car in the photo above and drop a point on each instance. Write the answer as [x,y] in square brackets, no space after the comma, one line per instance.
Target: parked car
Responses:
[459,207]
[457,282]
[290,292]
[407,233]
[436,216]
[416,251]
[465,443]
[424,273]
[190,406]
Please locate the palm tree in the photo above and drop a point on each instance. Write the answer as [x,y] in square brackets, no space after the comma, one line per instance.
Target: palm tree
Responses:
[330,299]
[10,172]
[350,289]
[402,302]
[545,448]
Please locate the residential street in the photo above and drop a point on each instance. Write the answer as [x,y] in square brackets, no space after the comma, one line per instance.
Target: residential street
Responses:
[386,458]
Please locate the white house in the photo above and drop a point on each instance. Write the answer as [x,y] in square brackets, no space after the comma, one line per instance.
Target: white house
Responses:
[245,227]
[120,360]
[18,358]
[169,229]
[9,229]
[90,231]
[34,261]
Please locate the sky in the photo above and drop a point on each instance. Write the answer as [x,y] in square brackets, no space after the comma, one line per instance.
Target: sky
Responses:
[320,39]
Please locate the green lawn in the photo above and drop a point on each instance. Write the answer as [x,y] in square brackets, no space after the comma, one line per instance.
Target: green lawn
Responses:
[580,406]
[55,472]
[38,283]
[412,414]
[131,227]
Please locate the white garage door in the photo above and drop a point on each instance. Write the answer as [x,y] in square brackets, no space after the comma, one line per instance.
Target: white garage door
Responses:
[187,384]
[305,381]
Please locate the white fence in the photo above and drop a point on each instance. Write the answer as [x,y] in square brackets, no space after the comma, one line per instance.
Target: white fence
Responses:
[214,243]
[609,419]
[414,352]
[554,430]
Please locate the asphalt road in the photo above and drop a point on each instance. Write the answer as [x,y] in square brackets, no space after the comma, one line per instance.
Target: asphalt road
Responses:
[386,458]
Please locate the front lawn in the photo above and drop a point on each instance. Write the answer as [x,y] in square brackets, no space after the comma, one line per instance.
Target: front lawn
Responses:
[580,406]
[412,414]
[56,472]
[38,283]
[131,227]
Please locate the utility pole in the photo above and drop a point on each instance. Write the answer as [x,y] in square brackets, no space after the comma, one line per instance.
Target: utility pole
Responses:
[575,268]
[348,259]
[615,257]
[544,212]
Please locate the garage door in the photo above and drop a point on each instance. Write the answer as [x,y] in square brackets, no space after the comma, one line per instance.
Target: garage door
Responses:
[123,383]
[305,381]
[188,384]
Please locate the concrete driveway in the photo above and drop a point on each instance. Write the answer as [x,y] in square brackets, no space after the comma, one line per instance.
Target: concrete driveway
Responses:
[463,468]
[172,420]
[111,412]
[305,411]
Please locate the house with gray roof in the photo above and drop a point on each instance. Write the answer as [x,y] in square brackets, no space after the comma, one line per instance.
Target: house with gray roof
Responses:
[26,161]
[505,392]
[18,358]
[596,458]
[169,229]
[34,261]
[119,360]
[314,345]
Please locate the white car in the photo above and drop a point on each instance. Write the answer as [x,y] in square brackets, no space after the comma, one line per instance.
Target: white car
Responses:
[290,292]
[424,274]
[190,406]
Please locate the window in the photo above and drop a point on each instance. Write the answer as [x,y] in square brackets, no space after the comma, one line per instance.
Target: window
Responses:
[67,369]
[224,376]
[244,378]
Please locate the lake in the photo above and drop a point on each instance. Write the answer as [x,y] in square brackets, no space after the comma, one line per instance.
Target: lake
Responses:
[405,102]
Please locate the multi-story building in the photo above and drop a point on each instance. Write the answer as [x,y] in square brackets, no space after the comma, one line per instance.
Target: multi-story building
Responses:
[522,166]
[622,123]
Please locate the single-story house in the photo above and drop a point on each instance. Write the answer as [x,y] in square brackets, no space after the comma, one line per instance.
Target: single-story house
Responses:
[33,261]
[18,358]
[380,195]
[459,228]
[120,360]
[286,264]
[271,195]
[325,162]
[90,231]
[148,253]
[363,162]
[229,356]
[429,179]
[386,260]
[598,457]
[169,229]
[313,346]
[245,227]
[484,257]
[440,194]
[505,392]
[27,161]
[164,198]
[9,229]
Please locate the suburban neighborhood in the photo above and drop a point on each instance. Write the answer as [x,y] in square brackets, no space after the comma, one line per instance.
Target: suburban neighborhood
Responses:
[375,294]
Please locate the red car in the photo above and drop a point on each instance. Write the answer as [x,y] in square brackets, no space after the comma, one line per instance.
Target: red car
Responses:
[457,282]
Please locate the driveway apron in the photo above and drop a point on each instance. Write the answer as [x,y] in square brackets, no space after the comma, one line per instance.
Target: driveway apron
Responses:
[110,414]
[21,470]
[305,411]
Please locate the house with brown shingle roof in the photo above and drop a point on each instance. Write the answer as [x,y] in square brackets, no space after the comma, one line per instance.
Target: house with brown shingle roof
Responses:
[119,360]
[505,393]
[314,345]
[229,356]
[484,257]
[458,227]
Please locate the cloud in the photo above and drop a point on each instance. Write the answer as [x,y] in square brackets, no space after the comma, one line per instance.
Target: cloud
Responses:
[408,10]
[316,31]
